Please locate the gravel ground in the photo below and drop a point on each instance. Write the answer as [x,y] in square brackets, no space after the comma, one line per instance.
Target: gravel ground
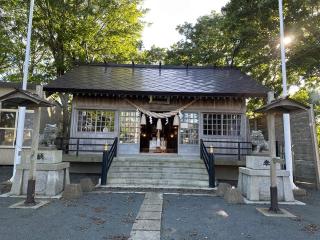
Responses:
[198,217]
[111,216]
[94,216]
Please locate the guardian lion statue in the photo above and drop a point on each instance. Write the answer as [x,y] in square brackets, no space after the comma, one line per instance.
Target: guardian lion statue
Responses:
[258,142]
[50,134]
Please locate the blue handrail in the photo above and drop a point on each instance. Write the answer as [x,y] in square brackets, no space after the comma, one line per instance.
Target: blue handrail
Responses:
[107,158]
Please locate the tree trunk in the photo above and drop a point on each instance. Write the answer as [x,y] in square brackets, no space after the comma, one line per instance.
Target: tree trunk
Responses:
[64,98]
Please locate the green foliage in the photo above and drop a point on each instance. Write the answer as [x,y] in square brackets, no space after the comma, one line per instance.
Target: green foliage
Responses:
[302,96]
[152,56]
[246,35]
[65,32]
[252,105]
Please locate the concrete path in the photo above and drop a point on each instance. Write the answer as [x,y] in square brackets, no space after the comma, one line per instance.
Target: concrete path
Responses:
[148,222]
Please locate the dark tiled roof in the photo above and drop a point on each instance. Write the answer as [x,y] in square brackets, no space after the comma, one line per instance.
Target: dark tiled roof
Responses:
[15,85]
[150,79]
[284,105]
[24,98]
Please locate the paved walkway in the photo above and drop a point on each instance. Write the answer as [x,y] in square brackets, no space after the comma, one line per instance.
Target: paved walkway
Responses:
[148,222]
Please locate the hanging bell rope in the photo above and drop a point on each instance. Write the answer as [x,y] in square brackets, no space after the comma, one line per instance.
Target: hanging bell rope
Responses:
[161,115]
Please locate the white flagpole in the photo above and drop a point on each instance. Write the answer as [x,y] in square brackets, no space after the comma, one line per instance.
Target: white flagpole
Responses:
[22,110]
[286,116]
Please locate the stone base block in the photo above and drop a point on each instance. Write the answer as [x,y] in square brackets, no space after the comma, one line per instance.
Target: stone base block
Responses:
[50,179]
[255,185]
[72,191]
[259,162]
[222,189]
[299,192]
[46,156]
[5,187]
[22,205]
[86,184]
[234,196]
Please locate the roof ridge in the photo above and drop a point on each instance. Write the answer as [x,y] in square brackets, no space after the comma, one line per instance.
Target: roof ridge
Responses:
[169,66]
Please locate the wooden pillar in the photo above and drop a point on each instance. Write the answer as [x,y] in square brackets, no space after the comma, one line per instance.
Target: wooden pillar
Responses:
[272,148]
[34,152]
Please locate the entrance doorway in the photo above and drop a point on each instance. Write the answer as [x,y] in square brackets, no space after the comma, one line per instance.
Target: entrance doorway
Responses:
[168,142]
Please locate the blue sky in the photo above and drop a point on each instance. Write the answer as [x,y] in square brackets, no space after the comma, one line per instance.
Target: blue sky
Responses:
[165,15]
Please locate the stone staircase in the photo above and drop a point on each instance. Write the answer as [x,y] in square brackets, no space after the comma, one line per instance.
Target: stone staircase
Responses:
[157,172]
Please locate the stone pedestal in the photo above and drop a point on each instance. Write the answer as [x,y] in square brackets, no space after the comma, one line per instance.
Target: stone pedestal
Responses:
[46,155]
[51,177]
[254,180]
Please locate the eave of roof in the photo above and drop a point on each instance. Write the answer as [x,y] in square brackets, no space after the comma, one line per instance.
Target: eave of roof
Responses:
[155,93]
[283,105]
[24,98]
[125,79]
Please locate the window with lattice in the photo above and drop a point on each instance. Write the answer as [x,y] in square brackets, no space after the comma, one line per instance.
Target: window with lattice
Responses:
[129,127]
[189,128]
[221,124]
[95,121]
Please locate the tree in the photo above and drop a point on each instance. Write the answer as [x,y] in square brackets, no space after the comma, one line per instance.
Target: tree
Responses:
[68,31]
[74,30]
[13,24]
[152,56]
[88,31]
[246,35]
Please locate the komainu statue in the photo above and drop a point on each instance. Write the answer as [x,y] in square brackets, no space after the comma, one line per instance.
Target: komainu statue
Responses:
[258,142]
[50,134]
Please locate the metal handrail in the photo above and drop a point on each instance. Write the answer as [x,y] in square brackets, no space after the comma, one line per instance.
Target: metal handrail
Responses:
[208,159]
[107,158]
[65,143]
[224,141]
[238,150]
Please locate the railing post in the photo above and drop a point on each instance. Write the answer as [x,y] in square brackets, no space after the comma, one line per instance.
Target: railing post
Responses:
[200,148]
[78,142]
[239,151]
[116,146]
[61,144]
[211,168]
[104,167]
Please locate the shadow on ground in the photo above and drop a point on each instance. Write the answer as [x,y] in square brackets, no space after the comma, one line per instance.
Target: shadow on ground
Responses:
[94,216]
[205,217]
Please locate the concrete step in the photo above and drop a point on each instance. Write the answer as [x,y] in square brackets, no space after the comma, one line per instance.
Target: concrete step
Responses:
[154,188]
[157,171]
[157,164]
[160,159]
[157,157]
[158,182]
[173,170]
[157,175]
